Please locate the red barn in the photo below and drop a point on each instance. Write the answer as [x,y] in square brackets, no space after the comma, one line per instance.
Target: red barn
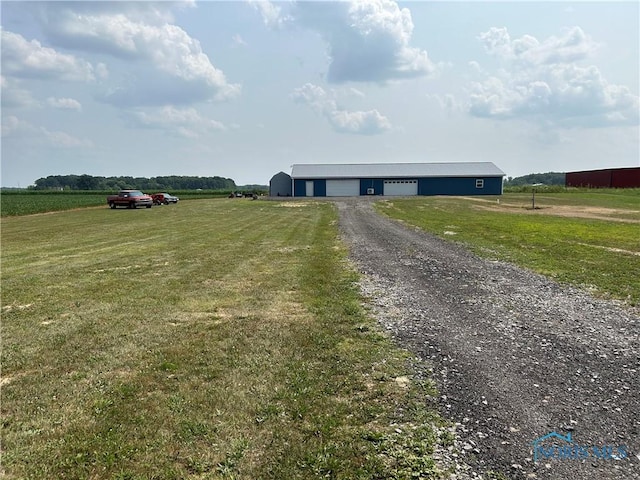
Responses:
[606,178]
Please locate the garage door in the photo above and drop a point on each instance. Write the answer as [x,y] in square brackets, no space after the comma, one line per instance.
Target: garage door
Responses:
[400,187]
[343,188]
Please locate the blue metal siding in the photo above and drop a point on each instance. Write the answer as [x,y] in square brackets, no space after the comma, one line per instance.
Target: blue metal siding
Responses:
[459,186]
[426,186]
[320,188]
[375,183]
[299,188]
[492,186]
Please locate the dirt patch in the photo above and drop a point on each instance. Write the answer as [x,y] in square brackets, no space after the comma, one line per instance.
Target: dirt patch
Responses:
[577,211]
[609,249]
[7,379]
[596,213]
[9,308]
[295,204]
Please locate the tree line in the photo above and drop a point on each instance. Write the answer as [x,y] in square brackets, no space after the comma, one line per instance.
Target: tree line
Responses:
[549,178]
[174,182]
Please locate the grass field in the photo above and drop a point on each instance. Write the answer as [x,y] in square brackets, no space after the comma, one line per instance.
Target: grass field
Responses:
[590,239]
[210,339]
[226,338]
[15,202]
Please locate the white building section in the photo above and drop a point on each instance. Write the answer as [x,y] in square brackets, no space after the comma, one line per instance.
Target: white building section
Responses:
[343,188]
[400,187]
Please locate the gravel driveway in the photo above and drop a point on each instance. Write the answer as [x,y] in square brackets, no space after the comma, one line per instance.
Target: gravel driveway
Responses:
[516,356]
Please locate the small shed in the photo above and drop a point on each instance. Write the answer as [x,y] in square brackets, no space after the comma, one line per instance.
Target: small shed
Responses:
[280,185]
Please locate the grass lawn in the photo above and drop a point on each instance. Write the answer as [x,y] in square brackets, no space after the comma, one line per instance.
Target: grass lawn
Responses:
[209,339]
[587,239]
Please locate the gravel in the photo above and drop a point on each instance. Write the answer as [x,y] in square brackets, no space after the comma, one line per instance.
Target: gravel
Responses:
[515,355]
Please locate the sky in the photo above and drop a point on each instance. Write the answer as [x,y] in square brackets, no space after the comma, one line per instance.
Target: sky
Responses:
[245,89]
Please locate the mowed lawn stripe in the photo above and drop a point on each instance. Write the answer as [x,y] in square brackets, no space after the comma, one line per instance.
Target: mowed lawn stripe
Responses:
[210,339]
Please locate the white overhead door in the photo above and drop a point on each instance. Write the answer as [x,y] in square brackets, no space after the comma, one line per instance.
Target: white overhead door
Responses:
[400,187]
[309,188]
[343,188]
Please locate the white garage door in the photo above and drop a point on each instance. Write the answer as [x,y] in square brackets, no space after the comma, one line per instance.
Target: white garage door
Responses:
[400,187]
[343,188]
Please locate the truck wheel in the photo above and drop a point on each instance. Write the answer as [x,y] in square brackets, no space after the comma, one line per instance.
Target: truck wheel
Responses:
[112,205]
[132,205]
[148,206]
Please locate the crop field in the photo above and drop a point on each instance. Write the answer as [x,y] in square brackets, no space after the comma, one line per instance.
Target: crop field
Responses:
[591,239]
[210,339]
[14,203]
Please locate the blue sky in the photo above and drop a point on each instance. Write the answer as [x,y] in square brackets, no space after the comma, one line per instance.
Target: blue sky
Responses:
[246,89]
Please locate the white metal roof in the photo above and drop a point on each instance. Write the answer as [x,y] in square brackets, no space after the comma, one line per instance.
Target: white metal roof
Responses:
[395,170]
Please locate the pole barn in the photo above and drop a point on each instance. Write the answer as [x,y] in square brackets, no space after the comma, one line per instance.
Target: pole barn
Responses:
[396,179]
[605,178]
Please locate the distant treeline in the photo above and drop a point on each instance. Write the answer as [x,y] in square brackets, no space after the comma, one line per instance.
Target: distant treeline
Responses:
[549,178]
[174,182]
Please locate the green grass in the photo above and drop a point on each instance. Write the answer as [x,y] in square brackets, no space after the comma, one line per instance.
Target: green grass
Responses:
[21,202]
[13,203]
[210,339]
[599,251]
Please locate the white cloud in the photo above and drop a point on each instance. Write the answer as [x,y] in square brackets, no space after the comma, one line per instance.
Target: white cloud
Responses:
[449,103]
[64,140]
[544,81]
[271,13]
[369,122]
[185,122]
[312,95]
[368,40]
[30,59]
[238,41]
[64,103]
[13,127]
[365,123]
[181,71]
[13,95]
[572,46]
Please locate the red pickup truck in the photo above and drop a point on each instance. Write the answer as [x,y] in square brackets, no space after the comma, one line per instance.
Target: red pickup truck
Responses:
[129,199]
